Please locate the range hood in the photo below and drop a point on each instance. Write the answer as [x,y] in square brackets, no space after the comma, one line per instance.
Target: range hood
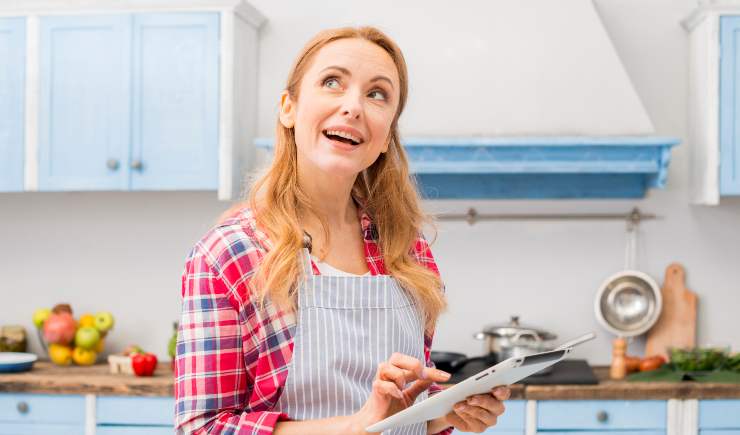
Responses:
[546,110]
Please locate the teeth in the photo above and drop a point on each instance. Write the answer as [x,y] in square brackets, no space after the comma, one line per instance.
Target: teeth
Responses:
[344,134]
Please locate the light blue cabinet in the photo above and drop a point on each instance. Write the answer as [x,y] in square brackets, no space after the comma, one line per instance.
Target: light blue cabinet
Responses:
[596,415]
[41,414]
[175,101]
[129,101]
[84,102]
[513,421]
[719,417]
[135,415]
[729,117]
[12,102]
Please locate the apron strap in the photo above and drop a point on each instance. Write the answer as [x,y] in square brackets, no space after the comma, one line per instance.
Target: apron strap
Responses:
[306,262]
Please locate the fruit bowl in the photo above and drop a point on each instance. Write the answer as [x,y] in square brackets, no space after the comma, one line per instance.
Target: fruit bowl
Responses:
[67,340]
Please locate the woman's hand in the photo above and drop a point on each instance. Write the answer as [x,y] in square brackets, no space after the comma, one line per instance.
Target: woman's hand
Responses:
[478,412]
[391,390]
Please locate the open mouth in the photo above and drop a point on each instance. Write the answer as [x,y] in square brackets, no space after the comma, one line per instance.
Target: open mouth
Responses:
[342,137]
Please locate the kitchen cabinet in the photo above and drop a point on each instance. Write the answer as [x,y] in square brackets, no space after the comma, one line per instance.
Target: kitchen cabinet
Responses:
[12,107]
[719,417]
[134,96]
[129,102]
[22,414]
[134,415]
[714,92]
[598,415]
[513,421]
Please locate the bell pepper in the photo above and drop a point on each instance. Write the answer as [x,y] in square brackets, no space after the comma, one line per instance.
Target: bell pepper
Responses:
[143,363]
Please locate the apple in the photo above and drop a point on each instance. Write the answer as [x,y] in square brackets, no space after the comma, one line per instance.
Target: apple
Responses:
[104,321]
[40,316]
[87,337]
[60,328]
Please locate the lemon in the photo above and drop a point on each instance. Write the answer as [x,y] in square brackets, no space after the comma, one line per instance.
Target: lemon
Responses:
[87,320]
[60,354]
[84,357]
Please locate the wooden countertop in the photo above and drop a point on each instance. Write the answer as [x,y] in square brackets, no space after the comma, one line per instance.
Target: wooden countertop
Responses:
[48,378]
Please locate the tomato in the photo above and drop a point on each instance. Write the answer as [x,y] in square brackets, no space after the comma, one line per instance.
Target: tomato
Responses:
[144,364]
[651,363]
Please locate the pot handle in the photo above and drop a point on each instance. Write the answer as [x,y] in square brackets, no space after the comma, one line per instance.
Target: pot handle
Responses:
[519,334]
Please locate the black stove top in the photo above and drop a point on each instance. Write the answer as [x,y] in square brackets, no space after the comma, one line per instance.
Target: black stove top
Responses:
[569,371]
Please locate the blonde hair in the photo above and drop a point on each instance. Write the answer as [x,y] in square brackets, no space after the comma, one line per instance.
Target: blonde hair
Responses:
[385,189]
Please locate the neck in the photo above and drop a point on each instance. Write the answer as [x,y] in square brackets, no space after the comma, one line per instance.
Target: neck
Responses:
[331,196]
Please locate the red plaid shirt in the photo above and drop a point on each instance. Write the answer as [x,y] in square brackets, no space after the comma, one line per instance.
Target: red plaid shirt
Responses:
[232,357]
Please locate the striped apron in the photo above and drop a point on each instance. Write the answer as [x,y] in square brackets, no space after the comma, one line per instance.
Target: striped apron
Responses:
[345,327]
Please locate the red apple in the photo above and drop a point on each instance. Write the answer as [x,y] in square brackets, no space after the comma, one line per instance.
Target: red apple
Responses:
[59,328]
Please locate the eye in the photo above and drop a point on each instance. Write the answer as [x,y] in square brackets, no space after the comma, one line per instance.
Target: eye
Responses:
[331,82]
[377,94]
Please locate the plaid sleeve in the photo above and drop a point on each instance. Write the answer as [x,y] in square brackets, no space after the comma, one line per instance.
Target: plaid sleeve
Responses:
[212,384]
[423,255]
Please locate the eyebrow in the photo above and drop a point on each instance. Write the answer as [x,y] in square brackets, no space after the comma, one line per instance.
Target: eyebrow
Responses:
[345,71]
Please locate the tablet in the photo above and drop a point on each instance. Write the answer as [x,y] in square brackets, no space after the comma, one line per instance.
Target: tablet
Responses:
[506,372]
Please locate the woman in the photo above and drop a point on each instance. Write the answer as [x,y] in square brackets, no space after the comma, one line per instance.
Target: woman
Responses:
[310,309]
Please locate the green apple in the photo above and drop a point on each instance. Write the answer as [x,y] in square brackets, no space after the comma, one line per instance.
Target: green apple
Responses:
[104,321]
[87,337]
[40,316]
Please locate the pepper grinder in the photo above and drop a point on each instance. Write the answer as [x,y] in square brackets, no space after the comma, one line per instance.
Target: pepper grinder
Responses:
[618,368]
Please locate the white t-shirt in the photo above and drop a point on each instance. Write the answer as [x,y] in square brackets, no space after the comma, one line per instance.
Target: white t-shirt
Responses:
[329,270]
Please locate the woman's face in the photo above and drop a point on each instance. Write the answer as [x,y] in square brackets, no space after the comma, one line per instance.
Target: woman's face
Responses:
[347,101]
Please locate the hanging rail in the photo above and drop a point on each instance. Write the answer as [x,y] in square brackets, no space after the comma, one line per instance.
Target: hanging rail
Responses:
[634,217]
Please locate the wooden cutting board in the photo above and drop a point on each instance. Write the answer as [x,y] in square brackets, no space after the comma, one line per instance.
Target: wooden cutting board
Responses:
[676,326]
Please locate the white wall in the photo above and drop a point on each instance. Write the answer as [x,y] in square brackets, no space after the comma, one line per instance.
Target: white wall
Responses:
[124,251]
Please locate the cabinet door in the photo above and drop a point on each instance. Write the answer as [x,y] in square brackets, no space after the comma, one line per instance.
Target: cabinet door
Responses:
[12,90]
[84,102]
[175,101]
[729,118]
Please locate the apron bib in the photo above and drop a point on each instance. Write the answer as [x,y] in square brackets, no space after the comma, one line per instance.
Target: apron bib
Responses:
[345,327]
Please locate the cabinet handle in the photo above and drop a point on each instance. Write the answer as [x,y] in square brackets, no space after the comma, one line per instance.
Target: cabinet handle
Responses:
[602,416]
[22,407]
[137,164]
[112,164]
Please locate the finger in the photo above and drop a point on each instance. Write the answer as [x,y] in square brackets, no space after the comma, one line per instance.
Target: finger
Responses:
[389,372]
[502,393]
[417,367]
[417,388]
[488,402]
[483,415]
[387,388]
[457,422]
[473,423]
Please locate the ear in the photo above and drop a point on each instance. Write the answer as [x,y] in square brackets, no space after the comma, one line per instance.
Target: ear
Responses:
[386,145]
[287,110]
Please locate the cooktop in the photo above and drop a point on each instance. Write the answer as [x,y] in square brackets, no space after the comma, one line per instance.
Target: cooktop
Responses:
[569,371]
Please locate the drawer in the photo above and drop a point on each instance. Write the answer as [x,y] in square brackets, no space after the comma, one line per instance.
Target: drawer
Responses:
[134,430]
[42,408]
[611,432]
[136,411]
[601,414]
[719,414]
[41,429]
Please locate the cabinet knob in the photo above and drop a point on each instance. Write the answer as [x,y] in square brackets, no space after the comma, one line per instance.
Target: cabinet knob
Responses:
[137,164]
[602,416]
[112,164]
[22,407]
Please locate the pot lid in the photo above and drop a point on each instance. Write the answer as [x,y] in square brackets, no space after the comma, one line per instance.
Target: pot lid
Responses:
[514,328]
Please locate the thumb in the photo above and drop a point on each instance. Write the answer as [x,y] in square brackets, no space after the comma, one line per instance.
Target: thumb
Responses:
[417,388]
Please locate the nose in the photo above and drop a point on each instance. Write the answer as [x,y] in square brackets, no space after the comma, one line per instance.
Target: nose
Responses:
[352,105]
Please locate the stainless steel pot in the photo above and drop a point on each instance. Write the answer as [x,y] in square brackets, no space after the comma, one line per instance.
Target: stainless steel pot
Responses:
[514,340]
